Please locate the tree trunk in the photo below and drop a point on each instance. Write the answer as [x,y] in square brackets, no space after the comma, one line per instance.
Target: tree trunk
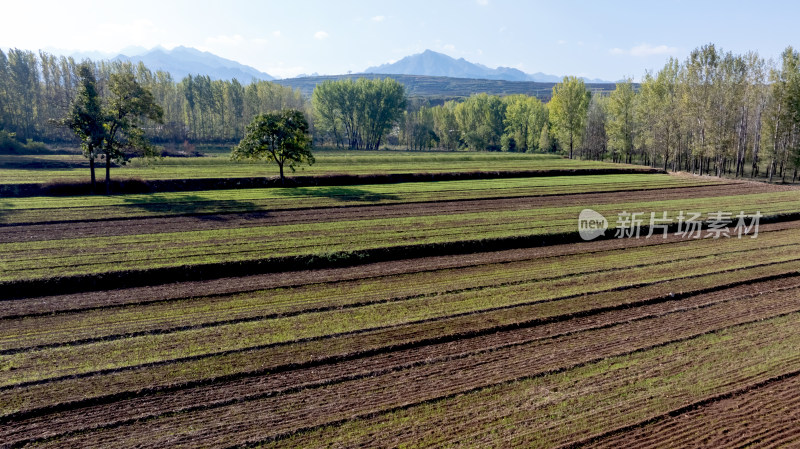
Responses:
[108,175]
[771,170]
[280,166]
[91,169]
[570,145]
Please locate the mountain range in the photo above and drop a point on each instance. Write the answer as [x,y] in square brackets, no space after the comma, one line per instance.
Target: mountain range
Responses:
[431,63]
[182,61]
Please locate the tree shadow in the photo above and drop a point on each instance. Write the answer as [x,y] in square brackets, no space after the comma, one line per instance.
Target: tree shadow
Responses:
[5,211]
[194,205]
[31,162]
[339,194]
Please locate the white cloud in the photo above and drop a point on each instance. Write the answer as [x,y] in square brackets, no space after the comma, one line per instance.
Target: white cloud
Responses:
[649,50]
[321,35]
[378,19]
[449,47]
[644,50]
[482,2]
[276,33]
[561,42]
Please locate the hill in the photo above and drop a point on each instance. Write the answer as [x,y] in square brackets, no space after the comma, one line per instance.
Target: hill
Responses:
[441,87]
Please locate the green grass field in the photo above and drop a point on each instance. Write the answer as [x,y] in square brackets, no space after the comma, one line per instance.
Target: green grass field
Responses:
[465,313]
[327,162]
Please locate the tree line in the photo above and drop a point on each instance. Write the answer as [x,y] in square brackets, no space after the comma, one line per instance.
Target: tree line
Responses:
[715,112]
[38,89]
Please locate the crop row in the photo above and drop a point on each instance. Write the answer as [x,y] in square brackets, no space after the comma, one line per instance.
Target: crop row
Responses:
[271,303]
[219,394]
[425,272]
[524,319]
[659,353]
[50,258]
[39,209]
[239,335]
[558,408]
[766,415]
[387,323]
[216,167]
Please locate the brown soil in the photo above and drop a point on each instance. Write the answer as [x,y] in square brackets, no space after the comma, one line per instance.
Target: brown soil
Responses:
[313,396]
[188,290]
[768,416]
[274,405]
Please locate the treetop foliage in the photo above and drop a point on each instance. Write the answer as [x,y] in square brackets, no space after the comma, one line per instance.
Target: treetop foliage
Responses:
[279,137]
[358,113]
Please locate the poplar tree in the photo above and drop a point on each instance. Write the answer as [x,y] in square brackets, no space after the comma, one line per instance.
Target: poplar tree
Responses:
[568,108]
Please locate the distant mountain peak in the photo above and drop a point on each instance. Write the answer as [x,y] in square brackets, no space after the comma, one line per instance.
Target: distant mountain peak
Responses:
[182,61]
[431,63]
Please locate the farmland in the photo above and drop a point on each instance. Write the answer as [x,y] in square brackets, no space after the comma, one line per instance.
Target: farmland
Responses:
[460,313]
[40,169]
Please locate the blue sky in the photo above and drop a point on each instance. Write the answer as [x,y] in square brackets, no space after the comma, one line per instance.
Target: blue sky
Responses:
[608,40]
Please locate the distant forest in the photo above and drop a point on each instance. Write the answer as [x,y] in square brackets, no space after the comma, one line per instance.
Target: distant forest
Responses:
[36,89]
[715,112]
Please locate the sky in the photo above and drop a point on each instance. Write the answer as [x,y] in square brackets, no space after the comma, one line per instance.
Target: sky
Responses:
[610,40]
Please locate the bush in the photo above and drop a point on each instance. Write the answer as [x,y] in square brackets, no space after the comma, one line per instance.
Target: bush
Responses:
[10,145]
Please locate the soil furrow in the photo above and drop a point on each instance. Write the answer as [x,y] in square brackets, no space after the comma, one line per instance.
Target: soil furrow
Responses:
[277,418]
[495,349]
[137,328]
[143,225]
[182,291]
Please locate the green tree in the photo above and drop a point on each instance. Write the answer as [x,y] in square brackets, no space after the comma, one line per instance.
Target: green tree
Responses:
[445,125]
[782,116]
[86,118]
[595,137]
[480,120]
[621,123]
[364,110]
[658,113]
[129,104]
[525,116]
[546,143]
[112,129]
[568,108]
[280,137]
